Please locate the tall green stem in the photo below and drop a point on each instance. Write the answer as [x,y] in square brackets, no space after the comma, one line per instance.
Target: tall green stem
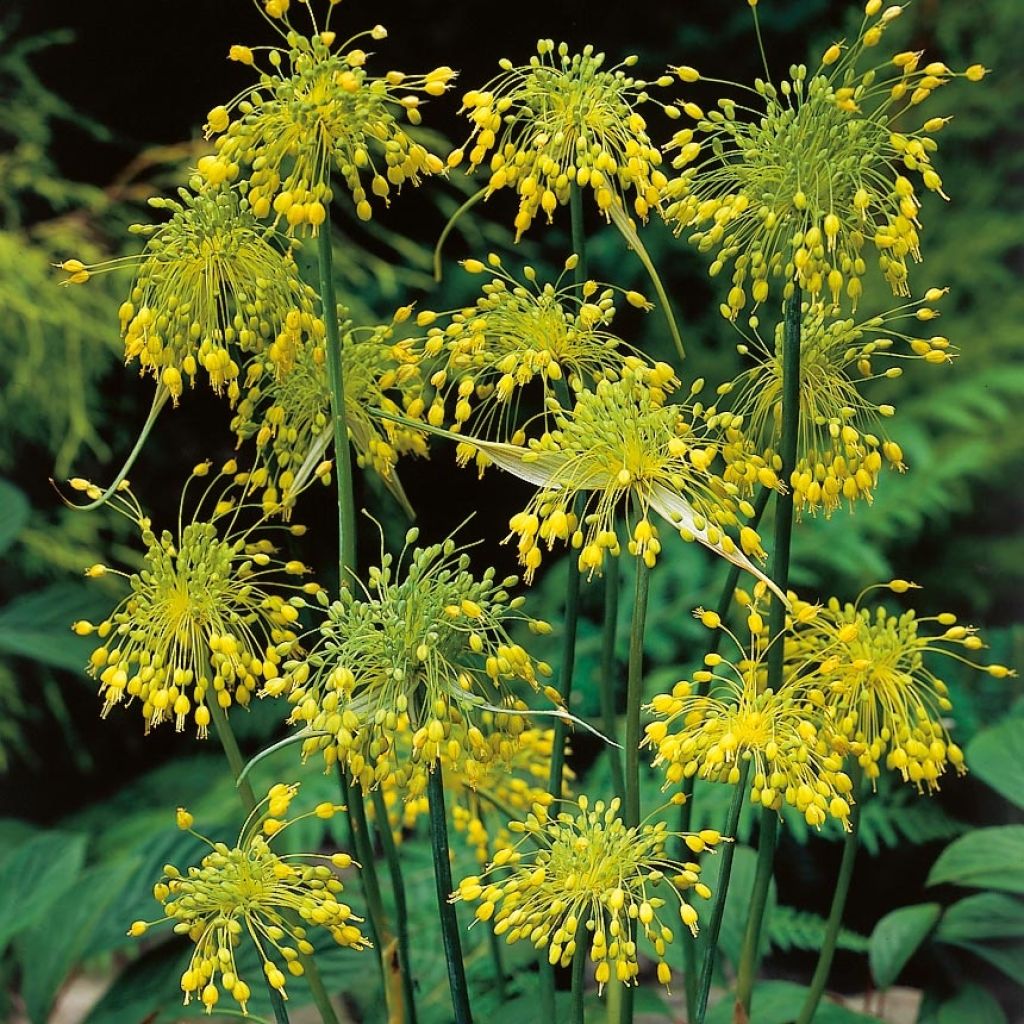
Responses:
[686,809]
[387,841]
[781,547]
[714,927]
[835,914]
[446,909]
[608,673]
[336,380]
[579,971]
[572,603]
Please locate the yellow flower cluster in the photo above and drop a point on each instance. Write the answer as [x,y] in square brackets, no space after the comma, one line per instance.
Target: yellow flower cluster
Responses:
[289,414]
[249,889]
[875,682]
[210,285]
[561,121]
[515,334]
[585,877]
[839,453]
[427,648]
[316,111]
[209,611]
[799,191]
[725,714]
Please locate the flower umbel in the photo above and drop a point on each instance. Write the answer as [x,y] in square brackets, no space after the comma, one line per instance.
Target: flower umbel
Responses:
[249,889]
[562,121]
[210,285]
[878,688]
[781,732]
[289,414]
[516,334]
[427,646]
[797,191]
[581,867]
[839,453]
[316,111]
[210,609]
[621,442]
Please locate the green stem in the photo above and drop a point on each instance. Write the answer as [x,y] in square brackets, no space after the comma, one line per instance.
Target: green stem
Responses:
[579,971]
[781,547]
[236,762]
[835,915]
[635,693]
[686,810]
[546,972]
[387,841]
[336,380]
[718,910]
[446,909]
[608,673]
[747,972]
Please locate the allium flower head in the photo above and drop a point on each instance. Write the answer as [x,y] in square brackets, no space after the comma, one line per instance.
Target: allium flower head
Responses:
[842,446]
[209,609]
[210,285]
[317,111]
[426,645]
[289,414]
[581,867]
[249,889]
[798,190]
[878,687]
[564,120]
[622,443]
[516,334]
[780,732]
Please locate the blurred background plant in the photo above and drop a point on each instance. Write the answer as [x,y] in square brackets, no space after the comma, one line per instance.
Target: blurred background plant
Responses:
[83,811]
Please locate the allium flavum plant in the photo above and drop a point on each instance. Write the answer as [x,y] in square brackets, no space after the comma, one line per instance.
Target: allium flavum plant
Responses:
[420,683]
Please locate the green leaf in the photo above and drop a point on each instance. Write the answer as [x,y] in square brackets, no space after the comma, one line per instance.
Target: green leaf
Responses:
[987,915]
[1007,956]
[38,625]
[897,937]
[996,756]
[47,954]
[14,514]
[791,928]
[972,1003]
[34,877]
[13,832]
[779,1002]
[991,858]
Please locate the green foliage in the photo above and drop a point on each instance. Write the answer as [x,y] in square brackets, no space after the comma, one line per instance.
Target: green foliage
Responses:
[791,928]
[778,1002]
[984,858]
[996,756]
[897,937]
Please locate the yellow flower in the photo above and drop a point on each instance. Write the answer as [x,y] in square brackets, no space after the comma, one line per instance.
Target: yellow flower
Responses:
[289,414]
[516,334]
[315,112]
[428,646]
[621,442]
[210,608]
[249,889]
[798,191]
[561,121]
[780,732]
[585,876]
[210,285]
[841,448]
[877,685]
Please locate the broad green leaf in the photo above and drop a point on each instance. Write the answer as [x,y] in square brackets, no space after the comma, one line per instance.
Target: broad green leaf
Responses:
[779,1002]
[897,937]
[14,513]
[971,1003]
[38,625]
[991,858]
[996,756]
[47,953]
[987,915]
[1007,956]
[34,877]
[13,832]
